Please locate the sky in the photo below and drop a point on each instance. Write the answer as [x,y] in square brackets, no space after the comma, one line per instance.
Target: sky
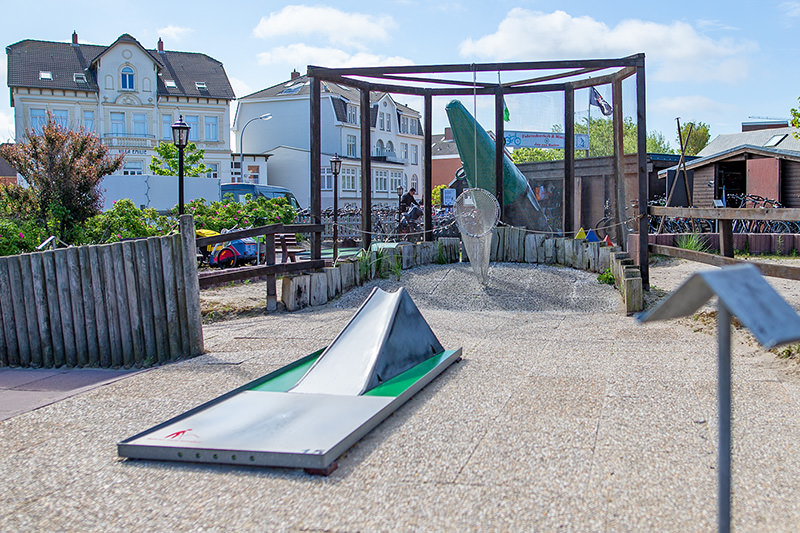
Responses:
[704,62]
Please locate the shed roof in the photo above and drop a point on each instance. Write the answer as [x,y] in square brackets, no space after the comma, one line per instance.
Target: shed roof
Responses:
[757,138]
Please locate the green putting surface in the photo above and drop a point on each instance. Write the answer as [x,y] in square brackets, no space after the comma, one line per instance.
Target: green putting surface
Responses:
[285,378]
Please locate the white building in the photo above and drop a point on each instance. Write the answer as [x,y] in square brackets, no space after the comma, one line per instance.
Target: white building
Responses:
[395,135]
[128,95]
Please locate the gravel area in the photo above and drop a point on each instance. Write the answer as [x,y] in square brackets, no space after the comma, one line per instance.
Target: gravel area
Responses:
[563,413]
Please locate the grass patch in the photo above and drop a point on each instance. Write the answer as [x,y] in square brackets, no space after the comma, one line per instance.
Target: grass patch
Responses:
[692,241]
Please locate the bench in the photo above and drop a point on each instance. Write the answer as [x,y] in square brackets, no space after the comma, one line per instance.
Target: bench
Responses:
[286,244]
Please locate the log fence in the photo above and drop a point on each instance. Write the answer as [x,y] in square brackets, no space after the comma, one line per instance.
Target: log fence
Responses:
[127,304]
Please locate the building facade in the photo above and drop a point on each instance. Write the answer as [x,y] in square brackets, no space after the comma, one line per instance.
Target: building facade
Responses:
[396,140]
[128,95]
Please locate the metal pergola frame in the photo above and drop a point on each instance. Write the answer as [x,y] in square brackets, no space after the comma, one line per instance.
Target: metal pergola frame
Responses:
[430,80]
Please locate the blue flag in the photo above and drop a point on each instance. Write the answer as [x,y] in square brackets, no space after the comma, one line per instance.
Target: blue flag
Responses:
[596,100]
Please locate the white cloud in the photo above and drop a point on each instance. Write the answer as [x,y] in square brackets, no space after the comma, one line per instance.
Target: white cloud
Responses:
[340,28]
[299,55]
[174,33]
[790,9]
[674,52]
[240,87]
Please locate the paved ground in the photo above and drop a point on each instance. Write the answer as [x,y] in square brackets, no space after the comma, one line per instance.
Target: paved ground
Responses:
[563,413]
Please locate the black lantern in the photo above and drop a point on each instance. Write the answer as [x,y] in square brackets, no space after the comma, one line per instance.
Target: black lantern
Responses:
[180,136]
[336,167]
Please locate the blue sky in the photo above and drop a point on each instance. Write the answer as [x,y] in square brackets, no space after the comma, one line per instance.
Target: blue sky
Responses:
[719,65]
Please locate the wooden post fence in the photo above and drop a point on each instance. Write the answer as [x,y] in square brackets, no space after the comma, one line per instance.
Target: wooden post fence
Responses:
[127,304]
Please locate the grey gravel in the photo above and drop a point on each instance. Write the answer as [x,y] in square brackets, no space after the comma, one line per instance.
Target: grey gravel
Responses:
[564,413]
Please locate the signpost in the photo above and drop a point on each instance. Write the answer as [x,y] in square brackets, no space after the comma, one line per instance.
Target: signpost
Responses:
[544,140]
[744,293]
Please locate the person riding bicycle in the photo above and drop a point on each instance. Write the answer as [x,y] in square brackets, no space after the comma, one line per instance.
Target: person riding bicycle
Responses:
[407,200]
[415,211]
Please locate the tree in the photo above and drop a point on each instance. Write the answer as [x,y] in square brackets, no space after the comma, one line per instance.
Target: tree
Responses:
[63,168]
[166,162]
[699,138]
[796,119]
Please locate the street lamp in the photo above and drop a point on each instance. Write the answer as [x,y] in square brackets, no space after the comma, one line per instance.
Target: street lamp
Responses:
[336,167]
[265,116]
[180,136]
[399,204]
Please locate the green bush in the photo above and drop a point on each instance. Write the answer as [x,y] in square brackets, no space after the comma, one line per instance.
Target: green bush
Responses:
[126,221]
[229,214]
[606,277]
[19,237]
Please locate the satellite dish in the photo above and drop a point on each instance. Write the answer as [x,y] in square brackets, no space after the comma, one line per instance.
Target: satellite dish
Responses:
[477,213]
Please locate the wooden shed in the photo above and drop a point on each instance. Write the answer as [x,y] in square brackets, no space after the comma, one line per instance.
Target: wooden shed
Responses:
[767,172]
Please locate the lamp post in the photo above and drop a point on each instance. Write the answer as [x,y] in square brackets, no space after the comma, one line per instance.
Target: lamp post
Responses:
[180,136]
[336,167]
[399,205]
[265,116]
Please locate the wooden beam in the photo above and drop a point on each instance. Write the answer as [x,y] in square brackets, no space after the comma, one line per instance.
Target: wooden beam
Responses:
[772,270]
[366,172]
[499,149]
[257,232]
[316,166]
[569,161]
[428,167]
[208,279]
[729,213]
[629,61]
[641,152]
[619,200]
[550,77]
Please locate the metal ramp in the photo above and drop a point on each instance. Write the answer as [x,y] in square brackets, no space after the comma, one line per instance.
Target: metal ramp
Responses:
[306,414]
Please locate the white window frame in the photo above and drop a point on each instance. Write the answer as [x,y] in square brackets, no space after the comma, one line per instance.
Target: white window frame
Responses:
[326,179]
[213,170]
[351,146]
[88,120]
[349,178]
[352,114]
[414,182]
[388,121]
[404,151]
[117,126]
[395,179]
[253,173]
[381,180]
[140,125]
[381,121]
[194,126]
[236,172]
[38,118]
[404,125]
[414,154]
[127,80]
[61,117]
[133,168]
[166,126]
[211,126]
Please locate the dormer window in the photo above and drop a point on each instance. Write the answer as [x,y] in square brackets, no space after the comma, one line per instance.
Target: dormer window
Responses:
[79,77]
[45,75]
[127,81]
[200,85]
[170,84]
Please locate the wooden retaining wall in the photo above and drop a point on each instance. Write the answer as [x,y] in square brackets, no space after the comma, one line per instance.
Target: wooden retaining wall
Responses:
[127,304]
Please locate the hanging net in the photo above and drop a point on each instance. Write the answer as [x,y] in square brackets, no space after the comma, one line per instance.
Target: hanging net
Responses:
[476,213]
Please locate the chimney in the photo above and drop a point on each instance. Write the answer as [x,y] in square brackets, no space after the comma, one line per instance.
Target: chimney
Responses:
[160,46]
[74,38]
[448,134]
[295,74]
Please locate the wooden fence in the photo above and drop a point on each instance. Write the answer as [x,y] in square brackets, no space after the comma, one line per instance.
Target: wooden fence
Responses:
[132,303]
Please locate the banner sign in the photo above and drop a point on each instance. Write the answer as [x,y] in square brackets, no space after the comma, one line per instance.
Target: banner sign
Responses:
[540,139]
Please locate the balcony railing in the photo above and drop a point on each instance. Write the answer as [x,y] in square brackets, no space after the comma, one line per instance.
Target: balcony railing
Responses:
[129,140]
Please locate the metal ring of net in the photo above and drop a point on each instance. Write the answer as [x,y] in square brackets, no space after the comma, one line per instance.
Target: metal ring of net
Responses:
[477,213]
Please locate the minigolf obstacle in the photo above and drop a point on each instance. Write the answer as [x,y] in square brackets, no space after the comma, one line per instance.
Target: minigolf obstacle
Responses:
[306,414]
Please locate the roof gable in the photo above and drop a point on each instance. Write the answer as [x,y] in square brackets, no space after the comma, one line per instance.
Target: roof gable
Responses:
[126,39]
[63,60]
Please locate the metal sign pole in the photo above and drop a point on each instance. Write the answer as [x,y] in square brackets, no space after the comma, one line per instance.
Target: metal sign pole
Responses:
[724,402]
